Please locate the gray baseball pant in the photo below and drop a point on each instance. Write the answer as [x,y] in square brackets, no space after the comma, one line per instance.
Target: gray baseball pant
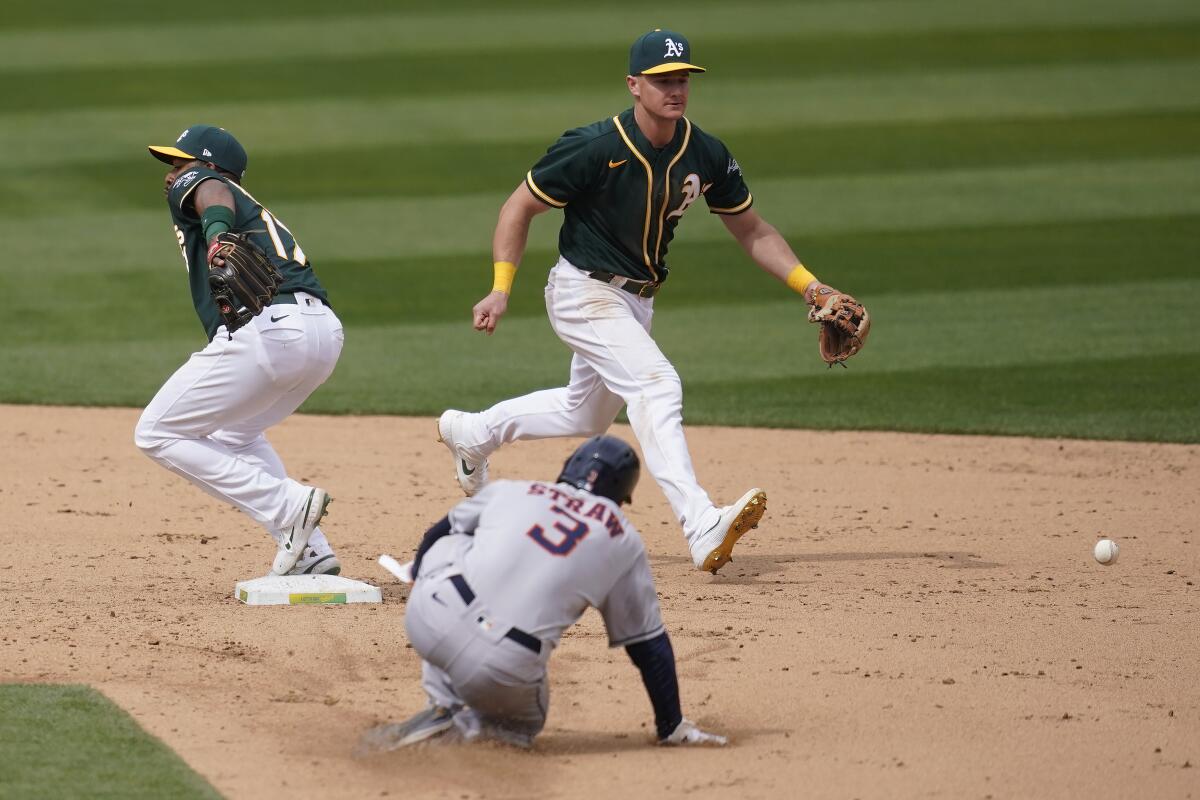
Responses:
[468,661]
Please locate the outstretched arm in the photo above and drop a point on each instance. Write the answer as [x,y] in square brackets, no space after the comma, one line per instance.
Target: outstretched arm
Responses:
[508,245]
[767,247]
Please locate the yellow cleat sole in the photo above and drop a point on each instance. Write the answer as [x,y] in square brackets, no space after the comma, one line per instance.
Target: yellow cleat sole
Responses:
[746,520]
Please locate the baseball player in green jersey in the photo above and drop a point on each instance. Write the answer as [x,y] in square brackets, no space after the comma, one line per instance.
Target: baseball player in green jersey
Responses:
[623,184]
[206,423]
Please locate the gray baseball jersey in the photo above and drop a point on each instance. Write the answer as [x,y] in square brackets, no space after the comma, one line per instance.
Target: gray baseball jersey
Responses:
[542,553]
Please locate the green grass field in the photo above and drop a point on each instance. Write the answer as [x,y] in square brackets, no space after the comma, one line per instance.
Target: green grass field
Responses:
[67,742]
[1013,189]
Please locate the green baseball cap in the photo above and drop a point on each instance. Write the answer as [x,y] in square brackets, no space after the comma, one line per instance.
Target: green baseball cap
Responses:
[206,143]
[661,51]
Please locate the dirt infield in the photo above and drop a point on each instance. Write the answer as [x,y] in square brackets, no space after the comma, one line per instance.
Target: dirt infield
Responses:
[918,616]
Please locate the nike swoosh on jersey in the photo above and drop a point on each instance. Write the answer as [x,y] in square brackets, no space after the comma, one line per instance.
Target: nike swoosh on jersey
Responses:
[614,164]
[281,316]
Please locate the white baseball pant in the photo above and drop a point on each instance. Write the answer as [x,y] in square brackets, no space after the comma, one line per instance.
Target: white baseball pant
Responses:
[206,423]
[615,363]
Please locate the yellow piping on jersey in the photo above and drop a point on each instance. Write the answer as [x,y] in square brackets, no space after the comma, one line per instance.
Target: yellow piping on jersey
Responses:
[687,135]
[187,193]
[545,198]
[649,195]
[739,207]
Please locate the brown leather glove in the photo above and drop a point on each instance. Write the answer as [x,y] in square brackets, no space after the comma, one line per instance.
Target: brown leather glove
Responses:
[844,322]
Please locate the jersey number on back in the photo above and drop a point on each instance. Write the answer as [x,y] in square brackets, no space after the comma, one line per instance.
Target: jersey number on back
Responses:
[273,224]
[572,533]
[297,254]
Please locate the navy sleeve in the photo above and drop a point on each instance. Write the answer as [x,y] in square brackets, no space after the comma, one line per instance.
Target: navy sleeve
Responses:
[656,660]
[440,528]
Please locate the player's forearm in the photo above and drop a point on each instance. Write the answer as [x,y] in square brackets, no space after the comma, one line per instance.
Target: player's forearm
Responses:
[764,244]
[214,205]
[508,245]
[767,247]
[512,228]
[655,659]
[512,235]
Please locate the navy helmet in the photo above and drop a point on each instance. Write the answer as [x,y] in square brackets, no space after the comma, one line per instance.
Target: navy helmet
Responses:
[603,465]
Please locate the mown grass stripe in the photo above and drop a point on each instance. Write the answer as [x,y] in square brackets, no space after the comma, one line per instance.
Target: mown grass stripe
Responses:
[170,43]
[53,306]
[594,67]
[724,106]
[132,182]
[1145,398]
[377,228]
[713,274]
[902,354]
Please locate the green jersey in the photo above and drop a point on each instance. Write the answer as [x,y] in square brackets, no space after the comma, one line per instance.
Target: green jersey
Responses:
[265,230]
[622,198]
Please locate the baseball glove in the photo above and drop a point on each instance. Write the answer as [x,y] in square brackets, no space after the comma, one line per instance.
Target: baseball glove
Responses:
[844,321]
[241,278]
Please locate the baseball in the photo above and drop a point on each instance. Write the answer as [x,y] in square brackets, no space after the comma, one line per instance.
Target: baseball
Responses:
[1106,551]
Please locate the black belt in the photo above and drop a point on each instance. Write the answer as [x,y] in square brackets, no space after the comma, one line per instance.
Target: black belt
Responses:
[516,634]
[640,288]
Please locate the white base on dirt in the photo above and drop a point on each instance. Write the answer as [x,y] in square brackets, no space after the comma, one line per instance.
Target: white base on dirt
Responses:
[305,590]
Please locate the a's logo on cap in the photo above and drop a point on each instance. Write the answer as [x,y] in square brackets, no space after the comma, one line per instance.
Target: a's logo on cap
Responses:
[205,152]
[182,135]
[673,49]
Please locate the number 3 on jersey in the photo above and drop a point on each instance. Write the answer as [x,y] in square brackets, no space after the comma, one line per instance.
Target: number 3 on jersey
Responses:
[573,532]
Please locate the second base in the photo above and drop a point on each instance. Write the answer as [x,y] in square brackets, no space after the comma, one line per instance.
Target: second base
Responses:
[305,590]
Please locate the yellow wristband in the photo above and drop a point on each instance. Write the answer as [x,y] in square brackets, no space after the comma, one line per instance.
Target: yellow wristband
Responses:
[799,279]
[505,272]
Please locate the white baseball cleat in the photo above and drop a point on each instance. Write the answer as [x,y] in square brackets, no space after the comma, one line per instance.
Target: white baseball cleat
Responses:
[313,562]
[471,470]
[713,549]
[295,538]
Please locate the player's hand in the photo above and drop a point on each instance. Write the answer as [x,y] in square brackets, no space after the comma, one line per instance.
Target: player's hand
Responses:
[686,732]
[822,297]
[489,310]
[213,259]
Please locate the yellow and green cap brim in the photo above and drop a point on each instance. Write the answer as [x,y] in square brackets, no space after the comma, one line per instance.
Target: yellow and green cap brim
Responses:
[673,66]
[168,154]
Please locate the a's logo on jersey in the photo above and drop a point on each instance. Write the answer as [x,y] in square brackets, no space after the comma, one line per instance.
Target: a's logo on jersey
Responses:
[733,167]
[691,193]
[183,135]
[673,49]
[185,180]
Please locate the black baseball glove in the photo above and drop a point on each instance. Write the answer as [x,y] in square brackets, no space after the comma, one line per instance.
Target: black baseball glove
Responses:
[241,278]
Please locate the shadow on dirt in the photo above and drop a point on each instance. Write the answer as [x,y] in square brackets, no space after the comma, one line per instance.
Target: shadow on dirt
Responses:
[745,568]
